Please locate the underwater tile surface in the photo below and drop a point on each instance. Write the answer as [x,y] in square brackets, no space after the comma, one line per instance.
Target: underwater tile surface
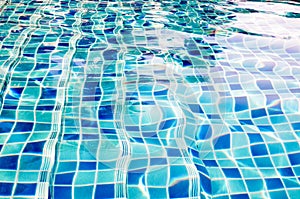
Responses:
[149,99]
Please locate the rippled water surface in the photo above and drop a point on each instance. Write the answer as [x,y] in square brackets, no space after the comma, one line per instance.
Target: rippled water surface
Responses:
[149,99]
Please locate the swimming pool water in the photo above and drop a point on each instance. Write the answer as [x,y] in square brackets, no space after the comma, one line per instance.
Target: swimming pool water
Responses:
[149,99]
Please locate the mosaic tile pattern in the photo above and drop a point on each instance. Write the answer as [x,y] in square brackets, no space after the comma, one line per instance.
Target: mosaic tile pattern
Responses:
[149,99]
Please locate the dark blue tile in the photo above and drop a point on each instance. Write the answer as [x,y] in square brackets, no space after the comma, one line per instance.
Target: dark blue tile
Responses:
[296,126]
[136,140]
[48,93]
[45,108]
[6,189]
[265,128]
[34,147]
[236,128]
[259,150]
[9,162]
[23,127]
[62,192]
[45,49]
[162,92]
[87,166]
[202,169]
[255,137]
[6,106]
[108,131]
[210,163]
[222,142]
[71,137]
[258,113]
[286,171]
[240,196]
[65,178]
[179,190]
[106,112]
[86,41]
[17,91]
[25,189]
[134,178]
[241,103]
[205,132]
[247,122]
[6,127]
[105,191]
[195,153]
[274,183]
[294,158]
[167,124]
[186,63]
[231,173]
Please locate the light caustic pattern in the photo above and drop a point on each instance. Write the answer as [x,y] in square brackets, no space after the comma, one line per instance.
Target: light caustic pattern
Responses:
[149,99]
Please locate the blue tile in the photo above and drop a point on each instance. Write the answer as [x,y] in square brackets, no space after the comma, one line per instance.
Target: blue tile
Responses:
[241,103]
[48,93]
[135,178]
[205,184]
[274,183]
[196,108]
[205,132]
[25,189]
[9,162]
[255,137]
[105,191]
[286,172]
[34,147]
[294,158]
[106,112]
[240,196]
[210,163]
[87,166]
[23,127]
[167,124]
[6,127]
[231,173]
[179,190]
[62,192]
[259,150]
[6,188]
[258,113]
[264,84]
[66,178]
[222,142]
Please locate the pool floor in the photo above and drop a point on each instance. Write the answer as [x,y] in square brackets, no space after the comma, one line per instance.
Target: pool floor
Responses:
[149,99]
